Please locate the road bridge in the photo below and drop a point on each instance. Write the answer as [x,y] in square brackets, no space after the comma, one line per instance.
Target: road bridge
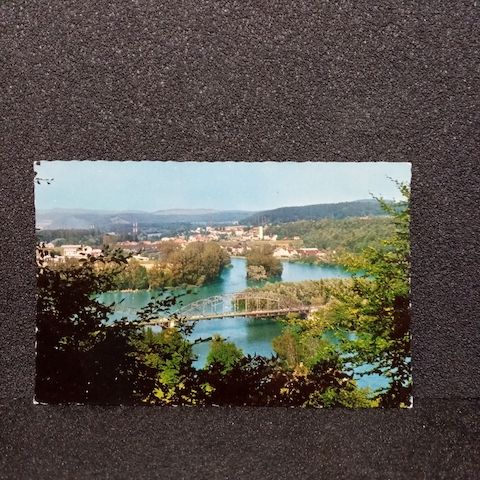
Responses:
[238,305]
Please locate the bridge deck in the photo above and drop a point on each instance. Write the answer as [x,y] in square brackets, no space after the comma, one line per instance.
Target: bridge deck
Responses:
[250,313]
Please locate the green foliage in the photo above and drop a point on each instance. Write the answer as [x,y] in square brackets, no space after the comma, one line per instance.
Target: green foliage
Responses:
[198,263]
[83,357]
[160,276]
[345,235]
[376,307]
[358,208]
[224,355]
[260,381]
[379,307]
[134,276]
[80,357]
[169,357]
[167,248]
[262,256]
[297,351]
[257,272]
[343,397]
[67,236]
[308,292]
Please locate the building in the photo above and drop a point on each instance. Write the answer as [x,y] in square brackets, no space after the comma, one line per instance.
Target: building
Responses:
[281,253]
[141,258]
[308,252]
[76,251]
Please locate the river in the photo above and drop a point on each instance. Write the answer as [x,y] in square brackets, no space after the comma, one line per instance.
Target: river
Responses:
[253,336]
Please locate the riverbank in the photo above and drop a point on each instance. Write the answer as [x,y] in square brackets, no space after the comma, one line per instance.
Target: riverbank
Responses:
[306,260]
[292,271]
[252,336]
[245,332]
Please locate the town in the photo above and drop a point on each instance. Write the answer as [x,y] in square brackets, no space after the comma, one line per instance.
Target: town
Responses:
[236,240]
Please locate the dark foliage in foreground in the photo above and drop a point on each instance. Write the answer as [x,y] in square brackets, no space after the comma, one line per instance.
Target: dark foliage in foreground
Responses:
[80,356]
[260,381]
[84,358]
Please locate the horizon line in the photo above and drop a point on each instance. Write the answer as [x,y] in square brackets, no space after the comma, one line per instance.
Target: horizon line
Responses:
[202,208]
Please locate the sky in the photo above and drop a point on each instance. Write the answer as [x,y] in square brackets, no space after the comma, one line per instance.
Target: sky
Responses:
[155,185]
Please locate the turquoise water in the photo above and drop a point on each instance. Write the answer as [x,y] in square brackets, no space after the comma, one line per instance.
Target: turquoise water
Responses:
[253,336]
[232,280]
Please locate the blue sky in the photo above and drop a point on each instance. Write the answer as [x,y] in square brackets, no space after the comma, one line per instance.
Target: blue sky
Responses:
[154,186]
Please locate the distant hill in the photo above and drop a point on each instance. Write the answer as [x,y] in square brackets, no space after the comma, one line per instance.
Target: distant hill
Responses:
[186,211]
[120,220]
[200,216]
[358,208]
[114,220]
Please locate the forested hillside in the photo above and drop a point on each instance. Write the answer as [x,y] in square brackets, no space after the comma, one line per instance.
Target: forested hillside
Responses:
[55,219]
[349,234]
[358,208]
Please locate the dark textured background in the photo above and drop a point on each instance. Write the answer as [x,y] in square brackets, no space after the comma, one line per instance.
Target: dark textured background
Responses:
[251,80]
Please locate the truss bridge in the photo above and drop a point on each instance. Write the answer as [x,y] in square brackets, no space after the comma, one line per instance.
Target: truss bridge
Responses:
[253,305]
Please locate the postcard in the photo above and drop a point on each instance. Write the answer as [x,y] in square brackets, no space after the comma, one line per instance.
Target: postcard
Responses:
[283,284]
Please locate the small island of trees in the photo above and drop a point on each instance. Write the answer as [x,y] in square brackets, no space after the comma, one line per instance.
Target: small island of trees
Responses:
[198,263]
[261,264]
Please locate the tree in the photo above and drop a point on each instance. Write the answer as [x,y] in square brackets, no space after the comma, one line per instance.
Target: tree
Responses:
[296,350]
[169,356]
[166,248]
[81,357]
[223,354]
[351,235]
[260,381]
[198,263]
[262,256]
[160,276]
[133,276]
[257,272]
[376,308]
